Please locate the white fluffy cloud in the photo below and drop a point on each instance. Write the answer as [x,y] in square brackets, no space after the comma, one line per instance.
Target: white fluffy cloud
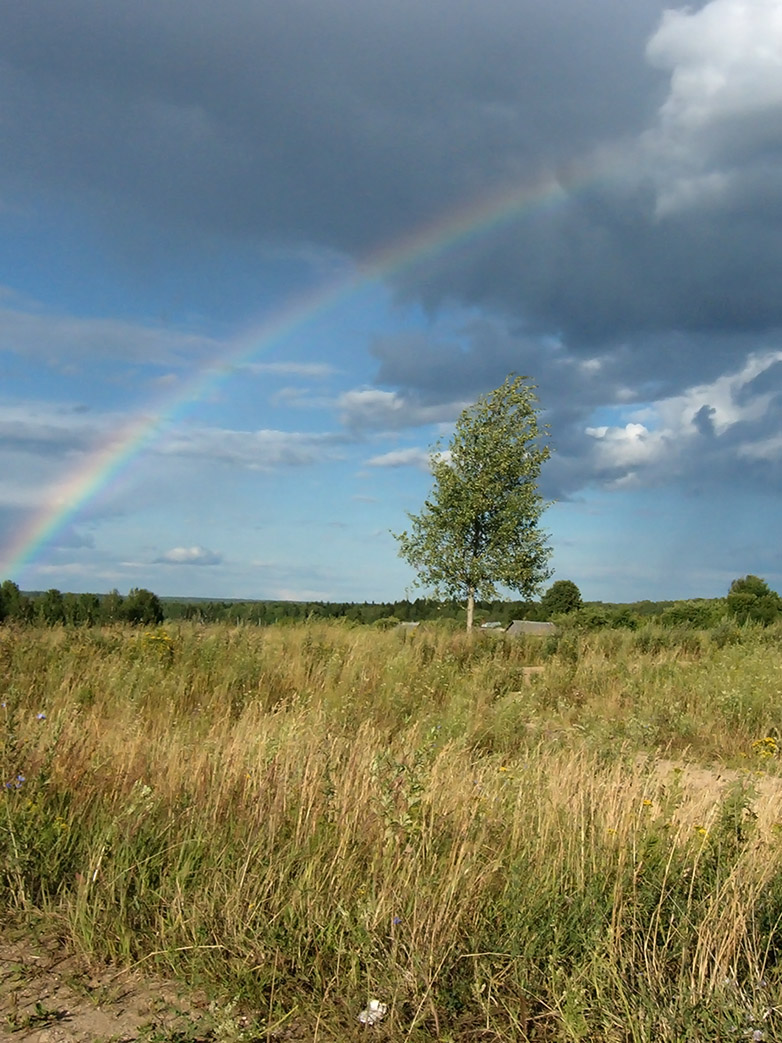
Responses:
[401,458]
[627,446]
[190,556]
[723,113]
[373,409]
[730,417]
[724,59]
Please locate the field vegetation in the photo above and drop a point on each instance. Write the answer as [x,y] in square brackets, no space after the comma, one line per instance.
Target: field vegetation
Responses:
[302,818]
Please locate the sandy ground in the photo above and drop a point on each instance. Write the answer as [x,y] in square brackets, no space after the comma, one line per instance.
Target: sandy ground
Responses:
[47,996]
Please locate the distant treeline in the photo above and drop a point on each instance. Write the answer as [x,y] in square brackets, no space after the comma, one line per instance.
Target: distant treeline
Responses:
[52,607]
[748,600]
[143,607]
[389,613]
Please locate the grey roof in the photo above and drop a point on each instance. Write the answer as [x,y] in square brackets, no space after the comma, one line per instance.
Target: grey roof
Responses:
[530,626]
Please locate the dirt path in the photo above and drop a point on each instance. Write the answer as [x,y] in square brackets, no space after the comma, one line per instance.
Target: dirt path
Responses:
[49,997]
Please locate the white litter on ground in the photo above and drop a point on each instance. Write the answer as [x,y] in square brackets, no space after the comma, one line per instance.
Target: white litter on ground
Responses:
[374,1012]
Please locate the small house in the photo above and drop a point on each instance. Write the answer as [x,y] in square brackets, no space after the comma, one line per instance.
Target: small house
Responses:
[530,626]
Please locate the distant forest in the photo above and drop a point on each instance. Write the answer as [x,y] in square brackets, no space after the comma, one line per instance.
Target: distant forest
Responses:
[143,607]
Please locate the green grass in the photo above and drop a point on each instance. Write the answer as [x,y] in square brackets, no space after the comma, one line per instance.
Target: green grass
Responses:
[303,818]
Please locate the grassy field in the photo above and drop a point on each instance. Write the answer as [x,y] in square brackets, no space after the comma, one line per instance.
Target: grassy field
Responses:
[303,818]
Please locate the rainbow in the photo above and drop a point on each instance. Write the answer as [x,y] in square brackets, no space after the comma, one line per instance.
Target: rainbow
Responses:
[97,470]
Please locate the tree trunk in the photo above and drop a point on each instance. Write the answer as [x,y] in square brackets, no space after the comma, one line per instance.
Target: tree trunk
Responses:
[470,606]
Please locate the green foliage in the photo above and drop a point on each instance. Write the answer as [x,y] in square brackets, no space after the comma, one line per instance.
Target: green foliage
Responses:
[699,614]
[386,623]
[751,600]
[111,608]
[752,585]
[143,607]
[561,597]
[14,606]
[598,617]
[88,609]
[479,527]
[726,633]
[50,608]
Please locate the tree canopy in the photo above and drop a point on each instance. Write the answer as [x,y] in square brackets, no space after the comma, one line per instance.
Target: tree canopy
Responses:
[14,606]
[479,528]
[562,596]
[750,599]
[142,606]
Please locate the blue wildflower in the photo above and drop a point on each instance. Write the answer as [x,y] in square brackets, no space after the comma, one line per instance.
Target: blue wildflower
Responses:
[41,717]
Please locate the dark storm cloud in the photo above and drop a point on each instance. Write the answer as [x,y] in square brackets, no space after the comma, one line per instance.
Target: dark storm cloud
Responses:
[726,427]
[602,264]
[345,125]
[704,421]
[653,272]
[322,121]
[672,236]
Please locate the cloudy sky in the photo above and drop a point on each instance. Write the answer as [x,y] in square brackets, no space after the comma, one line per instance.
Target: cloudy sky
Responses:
[257,255]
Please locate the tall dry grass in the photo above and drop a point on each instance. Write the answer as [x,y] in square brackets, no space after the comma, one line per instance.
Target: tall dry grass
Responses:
[306,817]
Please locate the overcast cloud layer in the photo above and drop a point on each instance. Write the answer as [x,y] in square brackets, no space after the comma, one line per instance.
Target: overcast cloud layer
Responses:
[171,173]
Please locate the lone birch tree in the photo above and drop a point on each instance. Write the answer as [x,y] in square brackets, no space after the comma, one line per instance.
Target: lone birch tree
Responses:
[480,525]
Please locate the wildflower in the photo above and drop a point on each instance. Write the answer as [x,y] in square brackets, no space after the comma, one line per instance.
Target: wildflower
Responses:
[504,768]
[396,921]
[40,717]
[16,783]
[701,831]
[765,747]
[647,803]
